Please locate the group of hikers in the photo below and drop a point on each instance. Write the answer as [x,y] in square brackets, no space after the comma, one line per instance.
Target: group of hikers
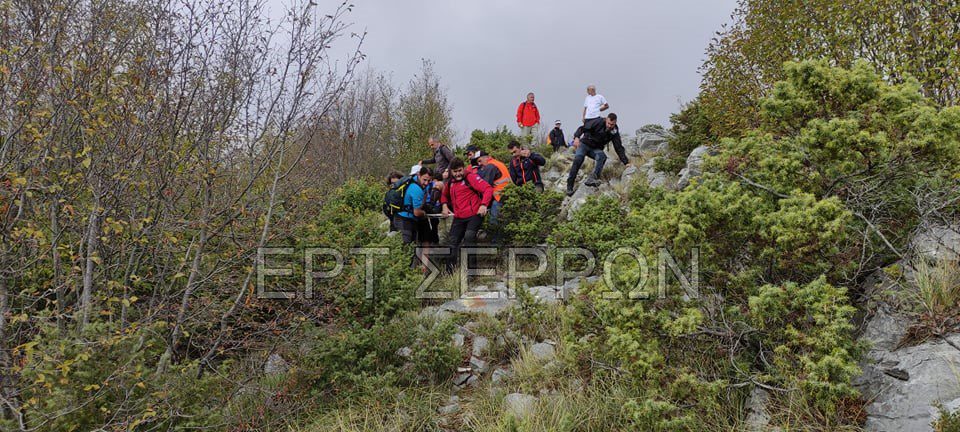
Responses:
[469,190]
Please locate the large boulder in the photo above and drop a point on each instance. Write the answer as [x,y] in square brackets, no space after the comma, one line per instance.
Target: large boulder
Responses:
[694,166]
[938,242]
[904,384]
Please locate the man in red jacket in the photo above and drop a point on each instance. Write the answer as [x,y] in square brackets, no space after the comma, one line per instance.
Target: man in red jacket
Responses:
[469,197]
[528,116]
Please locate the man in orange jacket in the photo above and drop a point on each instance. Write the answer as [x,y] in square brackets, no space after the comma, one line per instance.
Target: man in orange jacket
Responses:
[528,116]
[500,179]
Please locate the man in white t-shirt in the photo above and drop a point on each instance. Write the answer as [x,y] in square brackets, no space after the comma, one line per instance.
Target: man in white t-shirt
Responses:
[593,104]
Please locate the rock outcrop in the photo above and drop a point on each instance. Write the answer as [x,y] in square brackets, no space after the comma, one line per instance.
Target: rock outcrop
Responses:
[904,384]
[694,166]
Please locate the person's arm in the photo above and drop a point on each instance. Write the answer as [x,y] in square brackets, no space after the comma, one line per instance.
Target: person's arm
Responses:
[536,114]
[618,147]
[416,202]
[513,173]
[444,199]
[483,187]
[520,115]
[562,138]
[603,105]
[584,115]
[538,159]
[432,160]
[447,153]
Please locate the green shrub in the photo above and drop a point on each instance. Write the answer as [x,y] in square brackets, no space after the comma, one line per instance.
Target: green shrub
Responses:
[948,422]
[110,380]
[528,216]
[359,360]
[809,328]
[494,142]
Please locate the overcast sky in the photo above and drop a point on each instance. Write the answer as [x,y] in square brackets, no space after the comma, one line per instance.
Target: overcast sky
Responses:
[642,55]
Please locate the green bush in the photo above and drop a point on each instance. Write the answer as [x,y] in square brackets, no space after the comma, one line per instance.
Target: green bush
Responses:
[780,219]
[494,142]
[528,216]
[359,360]
[110,380]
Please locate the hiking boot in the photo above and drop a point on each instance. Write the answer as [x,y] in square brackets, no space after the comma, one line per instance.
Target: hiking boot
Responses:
[569,191]
[592,181]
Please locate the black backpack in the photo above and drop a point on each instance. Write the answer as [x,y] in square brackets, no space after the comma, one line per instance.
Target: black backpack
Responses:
[393,199]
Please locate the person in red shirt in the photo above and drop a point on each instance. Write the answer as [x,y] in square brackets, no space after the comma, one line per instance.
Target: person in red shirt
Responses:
[528,116]
[469,197]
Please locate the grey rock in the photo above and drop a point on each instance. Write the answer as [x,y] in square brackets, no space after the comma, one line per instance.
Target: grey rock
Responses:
[478,365]
[480,346]
[405,352]
[519,405]
[758,418]
[546,293]
[449,409]
[464,379]
[500,374]
[938,242]
[657,179]
[275,365]
[905,384]
[694,166]
[457,340]
[543,352]
[485,303]
[461,330]
[652,142]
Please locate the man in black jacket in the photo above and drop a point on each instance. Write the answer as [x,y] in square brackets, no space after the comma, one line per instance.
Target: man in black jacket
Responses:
[525,166]
[556,137]
[590,140]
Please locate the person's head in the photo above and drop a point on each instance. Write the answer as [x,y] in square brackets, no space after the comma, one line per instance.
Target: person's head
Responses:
[592,90]
[483,157]
[456,169]
[424,176]
[556,124]
[472,151]
[515,148]
[433,142]
[393,177]
[611,121]
[530,97]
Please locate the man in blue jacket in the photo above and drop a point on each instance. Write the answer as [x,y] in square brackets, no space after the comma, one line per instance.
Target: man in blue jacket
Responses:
[409,218]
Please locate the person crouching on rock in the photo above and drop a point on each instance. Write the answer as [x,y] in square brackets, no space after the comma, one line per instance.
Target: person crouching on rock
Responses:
[469,197]
[590,141]
[525,166]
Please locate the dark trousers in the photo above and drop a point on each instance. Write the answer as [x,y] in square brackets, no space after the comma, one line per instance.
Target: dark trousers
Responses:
[409,235]
[463,233]
[585,151]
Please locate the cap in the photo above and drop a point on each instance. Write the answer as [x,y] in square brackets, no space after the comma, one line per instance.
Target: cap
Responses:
[414,170]
[481,153]
[472,149]
[556,122]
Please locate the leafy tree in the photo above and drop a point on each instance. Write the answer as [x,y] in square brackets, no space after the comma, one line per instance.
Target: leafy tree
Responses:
[901,38]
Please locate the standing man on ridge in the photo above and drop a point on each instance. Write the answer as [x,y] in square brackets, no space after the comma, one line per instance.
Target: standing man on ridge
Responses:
[528,116]
[556,137]
[593,104]
[590,141]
